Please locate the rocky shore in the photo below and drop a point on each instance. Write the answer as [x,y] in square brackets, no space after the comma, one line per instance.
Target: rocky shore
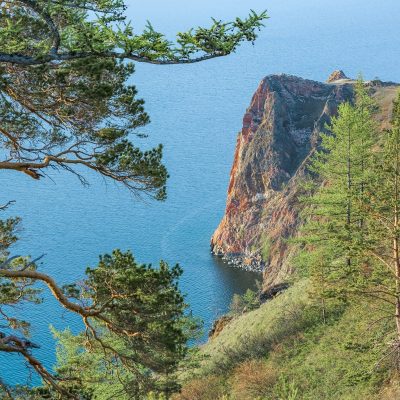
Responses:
[250,264]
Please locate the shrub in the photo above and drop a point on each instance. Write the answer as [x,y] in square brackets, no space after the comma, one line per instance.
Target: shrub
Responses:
[265,249]
[236,307]
[253,380]
[206,388]
[247,302]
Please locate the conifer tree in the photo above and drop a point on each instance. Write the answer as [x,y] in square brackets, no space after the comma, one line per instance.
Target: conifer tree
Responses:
[382,212]
[334,232]
[353,234]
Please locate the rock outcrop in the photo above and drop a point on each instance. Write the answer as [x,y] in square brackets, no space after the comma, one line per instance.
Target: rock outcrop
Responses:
[281,130]
[219,325]
[336,76]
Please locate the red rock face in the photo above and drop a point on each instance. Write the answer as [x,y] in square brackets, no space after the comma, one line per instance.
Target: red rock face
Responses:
[281,130]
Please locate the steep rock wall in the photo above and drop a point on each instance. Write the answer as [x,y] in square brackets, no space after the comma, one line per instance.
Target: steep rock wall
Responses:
[281,130]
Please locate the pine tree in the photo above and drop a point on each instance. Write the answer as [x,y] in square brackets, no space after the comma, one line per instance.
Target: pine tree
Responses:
[64,98]
[66,104]
[141,337]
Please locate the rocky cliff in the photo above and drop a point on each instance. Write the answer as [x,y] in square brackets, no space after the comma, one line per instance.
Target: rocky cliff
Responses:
[281,130]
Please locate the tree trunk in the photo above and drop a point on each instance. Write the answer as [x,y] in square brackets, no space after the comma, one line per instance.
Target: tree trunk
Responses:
[349,184]
[396,260]
[396,240]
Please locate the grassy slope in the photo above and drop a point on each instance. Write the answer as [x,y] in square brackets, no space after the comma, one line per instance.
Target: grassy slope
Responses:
[308,359]
[260,321]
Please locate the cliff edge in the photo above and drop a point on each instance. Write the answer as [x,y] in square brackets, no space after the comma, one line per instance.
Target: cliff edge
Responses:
[281,130]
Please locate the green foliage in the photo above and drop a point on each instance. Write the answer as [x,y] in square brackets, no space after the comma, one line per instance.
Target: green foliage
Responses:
[220,38]
[149,311]
[382,212]
[352,235]
[8,235]
[45,30]
[81,114]
[64,98]
[15,292]
[335,228]
[244,303]
[265,248]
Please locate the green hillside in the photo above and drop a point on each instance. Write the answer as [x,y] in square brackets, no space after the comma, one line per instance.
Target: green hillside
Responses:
[283,350]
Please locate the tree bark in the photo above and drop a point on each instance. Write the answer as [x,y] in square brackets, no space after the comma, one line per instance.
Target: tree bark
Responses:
[349,184]
[396,240]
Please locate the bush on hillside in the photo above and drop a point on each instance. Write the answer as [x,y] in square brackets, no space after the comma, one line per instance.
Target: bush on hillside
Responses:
[247,302]
[253,380]
[206,388]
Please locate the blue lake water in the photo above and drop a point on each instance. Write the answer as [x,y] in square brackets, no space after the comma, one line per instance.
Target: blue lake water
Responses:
[196,112]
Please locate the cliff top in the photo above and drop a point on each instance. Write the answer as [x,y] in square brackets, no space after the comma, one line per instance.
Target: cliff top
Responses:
[336,76]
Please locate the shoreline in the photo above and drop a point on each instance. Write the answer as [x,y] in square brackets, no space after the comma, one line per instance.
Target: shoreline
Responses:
[249,264]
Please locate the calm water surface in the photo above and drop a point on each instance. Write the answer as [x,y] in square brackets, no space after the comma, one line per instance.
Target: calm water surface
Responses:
[196,113]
